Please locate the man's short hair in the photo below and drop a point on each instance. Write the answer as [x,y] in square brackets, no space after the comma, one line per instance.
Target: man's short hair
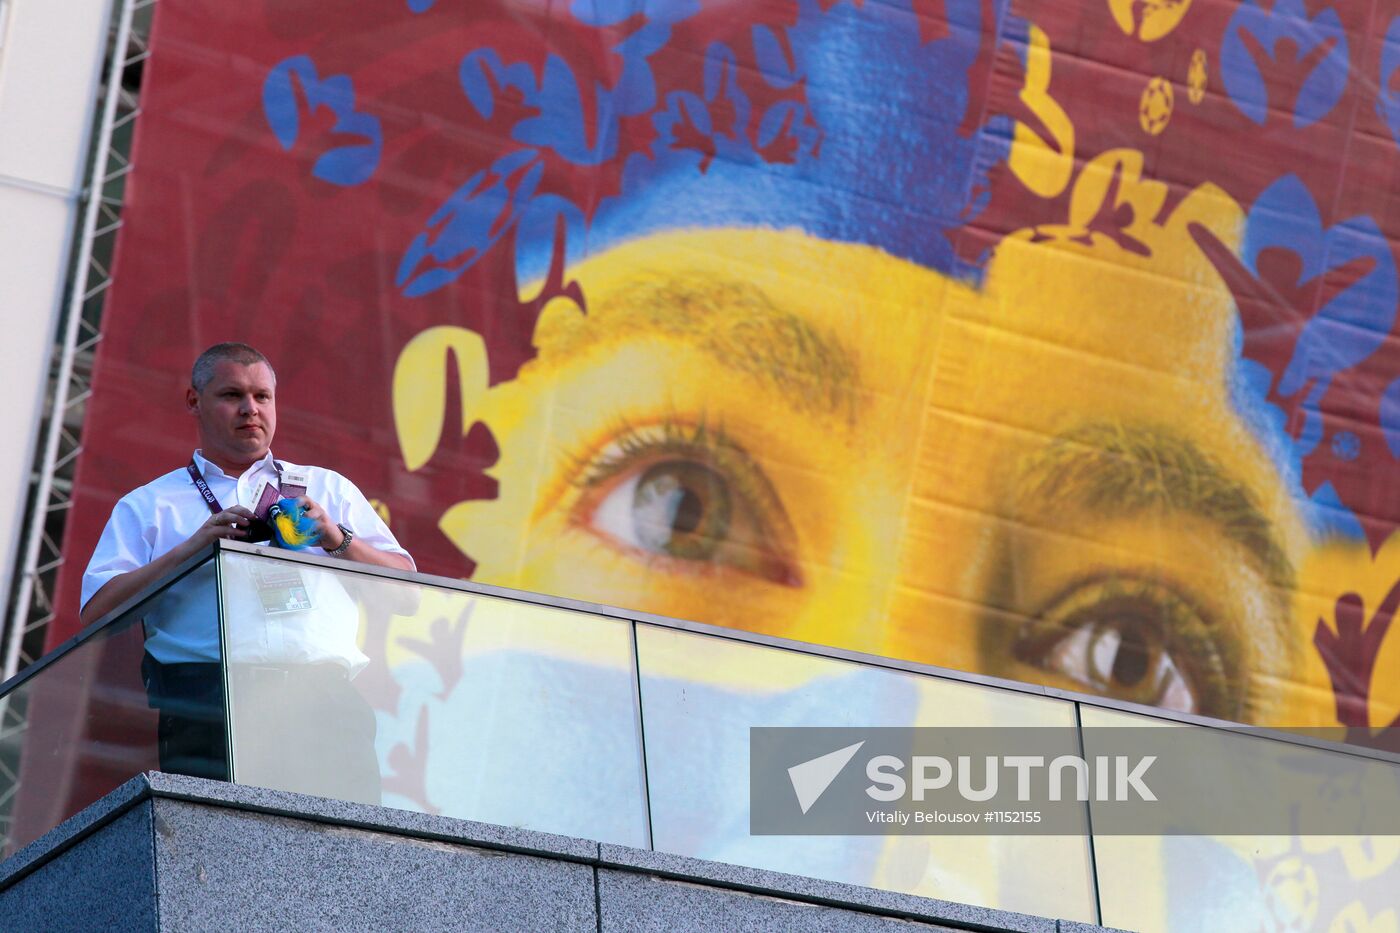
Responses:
[241,353]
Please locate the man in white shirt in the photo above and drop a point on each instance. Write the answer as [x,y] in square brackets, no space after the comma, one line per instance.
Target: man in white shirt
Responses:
[300,657]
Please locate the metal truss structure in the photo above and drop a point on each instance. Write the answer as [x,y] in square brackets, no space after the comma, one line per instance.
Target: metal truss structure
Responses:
[79,330]
[75,339]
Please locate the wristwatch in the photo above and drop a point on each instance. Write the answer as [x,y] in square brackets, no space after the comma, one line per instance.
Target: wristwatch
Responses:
[345,542]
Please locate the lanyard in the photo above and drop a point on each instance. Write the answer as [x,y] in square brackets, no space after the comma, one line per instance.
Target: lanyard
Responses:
[209,498]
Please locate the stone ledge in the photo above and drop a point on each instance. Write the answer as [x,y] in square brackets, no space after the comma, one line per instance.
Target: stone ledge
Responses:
[601,857]
[827,893]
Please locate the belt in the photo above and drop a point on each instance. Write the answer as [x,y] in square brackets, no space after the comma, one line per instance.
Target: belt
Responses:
[163,676]
[281,674]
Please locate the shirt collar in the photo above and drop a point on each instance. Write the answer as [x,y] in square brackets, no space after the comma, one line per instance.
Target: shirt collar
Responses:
[210,468]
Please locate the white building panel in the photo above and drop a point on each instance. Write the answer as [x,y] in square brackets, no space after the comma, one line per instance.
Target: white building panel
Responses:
[51,54]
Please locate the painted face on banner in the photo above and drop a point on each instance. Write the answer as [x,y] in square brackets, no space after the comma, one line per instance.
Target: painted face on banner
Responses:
[786,455]
[859,419]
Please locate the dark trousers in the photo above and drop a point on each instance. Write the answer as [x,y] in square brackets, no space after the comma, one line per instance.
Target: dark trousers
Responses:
[191,731]
[300,728]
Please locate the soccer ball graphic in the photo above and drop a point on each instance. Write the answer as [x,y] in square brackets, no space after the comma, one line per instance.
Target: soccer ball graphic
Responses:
[1155,108]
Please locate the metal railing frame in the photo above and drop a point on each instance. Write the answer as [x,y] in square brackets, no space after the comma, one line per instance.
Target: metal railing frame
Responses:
[702,628]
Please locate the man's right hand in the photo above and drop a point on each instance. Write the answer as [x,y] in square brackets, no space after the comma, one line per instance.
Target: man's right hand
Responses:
[232,523]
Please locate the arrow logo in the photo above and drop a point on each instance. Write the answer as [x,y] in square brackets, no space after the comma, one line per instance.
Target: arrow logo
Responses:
[811,778]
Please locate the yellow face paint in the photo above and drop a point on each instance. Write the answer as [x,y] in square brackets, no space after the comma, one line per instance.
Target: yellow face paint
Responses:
[1040,478]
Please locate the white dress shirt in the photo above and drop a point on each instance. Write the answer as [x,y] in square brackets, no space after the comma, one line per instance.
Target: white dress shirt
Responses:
[181,625]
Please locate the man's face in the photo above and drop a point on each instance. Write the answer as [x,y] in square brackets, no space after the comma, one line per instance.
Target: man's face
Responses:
[237,413]
[1043,478]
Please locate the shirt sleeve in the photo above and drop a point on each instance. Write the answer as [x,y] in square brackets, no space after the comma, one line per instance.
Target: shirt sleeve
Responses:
[122,548]
[361,518]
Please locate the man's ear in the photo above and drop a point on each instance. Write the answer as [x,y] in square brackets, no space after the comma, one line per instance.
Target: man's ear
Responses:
[192,401]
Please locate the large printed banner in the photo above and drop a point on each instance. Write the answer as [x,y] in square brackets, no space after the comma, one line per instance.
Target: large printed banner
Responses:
[1053,340]
[1046,340]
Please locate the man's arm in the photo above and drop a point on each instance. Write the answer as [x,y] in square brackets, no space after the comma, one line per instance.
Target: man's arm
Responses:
[230,523]
[364,552]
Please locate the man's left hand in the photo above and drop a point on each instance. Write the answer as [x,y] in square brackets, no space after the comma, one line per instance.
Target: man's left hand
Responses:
[331,535]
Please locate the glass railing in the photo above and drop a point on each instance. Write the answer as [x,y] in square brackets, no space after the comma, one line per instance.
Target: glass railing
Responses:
[79,722]
[441,696]
[461,703]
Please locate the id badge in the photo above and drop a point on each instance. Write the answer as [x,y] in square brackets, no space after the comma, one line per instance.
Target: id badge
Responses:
[265,498]
[294,483]
[281,588]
